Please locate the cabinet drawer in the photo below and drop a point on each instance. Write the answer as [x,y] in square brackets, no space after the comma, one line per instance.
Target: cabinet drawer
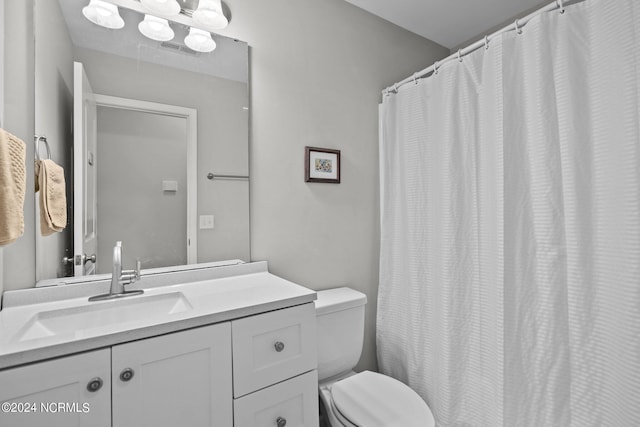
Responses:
[293,403]
[271,347]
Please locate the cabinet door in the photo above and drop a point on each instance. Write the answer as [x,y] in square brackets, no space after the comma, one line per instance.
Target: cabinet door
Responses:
[66,392]
[180,379]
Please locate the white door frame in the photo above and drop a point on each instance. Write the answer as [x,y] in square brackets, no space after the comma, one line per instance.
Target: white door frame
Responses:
[191,115]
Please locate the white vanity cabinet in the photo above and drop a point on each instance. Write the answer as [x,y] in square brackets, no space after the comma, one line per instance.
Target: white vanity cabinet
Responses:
[31,394]
[183,378]
[177,379]
[256,371]
[274,369]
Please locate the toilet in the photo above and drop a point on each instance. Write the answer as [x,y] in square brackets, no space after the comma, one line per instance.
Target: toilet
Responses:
[365,399]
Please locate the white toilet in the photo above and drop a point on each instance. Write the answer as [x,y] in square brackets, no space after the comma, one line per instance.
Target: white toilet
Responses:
[365,399]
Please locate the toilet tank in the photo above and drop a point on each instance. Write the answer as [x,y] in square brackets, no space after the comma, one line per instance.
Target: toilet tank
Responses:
[340,330]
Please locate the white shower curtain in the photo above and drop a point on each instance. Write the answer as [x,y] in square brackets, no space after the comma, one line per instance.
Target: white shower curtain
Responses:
[510,219]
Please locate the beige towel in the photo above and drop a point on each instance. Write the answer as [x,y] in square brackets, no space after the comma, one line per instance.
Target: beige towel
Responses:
[12,187]
[53,199]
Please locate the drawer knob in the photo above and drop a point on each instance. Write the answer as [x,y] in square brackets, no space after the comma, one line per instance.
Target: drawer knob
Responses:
[95,384]
[126,374]
[279,346]
[281,422]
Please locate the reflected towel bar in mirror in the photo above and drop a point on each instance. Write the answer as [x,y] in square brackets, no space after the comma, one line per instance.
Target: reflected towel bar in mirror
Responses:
[212,176]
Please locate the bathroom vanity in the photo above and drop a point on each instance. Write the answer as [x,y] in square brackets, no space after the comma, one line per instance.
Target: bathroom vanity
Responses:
[219,346]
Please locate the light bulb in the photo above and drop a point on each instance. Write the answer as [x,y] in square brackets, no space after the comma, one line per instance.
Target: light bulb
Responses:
[104,14]
[156,28]
[199,40]
[209,14]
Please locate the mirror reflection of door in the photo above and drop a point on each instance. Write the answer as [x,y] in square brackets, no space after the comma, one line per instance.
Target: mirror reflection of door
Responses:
[133,158]
[142,187]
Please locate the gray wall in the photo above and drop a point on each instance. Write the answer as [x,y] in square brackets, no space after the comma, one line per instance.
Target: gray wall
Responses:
[136,152]
[317,69]
[222,138]
[54,92]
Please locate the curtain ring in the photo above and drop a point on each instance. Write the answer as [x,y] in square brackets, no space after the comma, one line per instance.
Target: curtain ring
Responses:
[395,87]
[459,55]
[435,67]
[415,78]
[518,29]
[486,42]
[560,4]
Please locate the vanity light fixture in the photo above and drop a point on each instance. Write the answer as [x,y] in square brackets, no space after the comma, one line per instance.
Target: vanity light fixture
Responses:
[209,14]
[162,7]
[156,28]
[104,14]
[199,40]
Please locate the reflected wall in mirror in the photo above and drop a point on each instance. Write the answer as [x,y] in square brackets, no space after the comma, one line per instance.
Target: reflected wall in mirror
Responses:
[141,161]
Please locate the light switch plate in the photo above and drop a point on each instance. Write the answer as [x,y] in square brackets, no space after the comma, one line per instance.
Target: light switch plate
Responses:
[206,222]
[170,186]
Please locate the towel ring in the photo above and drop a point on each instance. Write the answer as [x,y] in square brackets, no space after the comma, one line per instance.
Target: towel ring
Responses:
[46,144]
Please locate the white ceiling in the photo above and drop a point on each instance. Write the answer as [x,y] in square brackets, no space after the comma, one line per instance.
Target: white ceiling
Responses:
[448,22]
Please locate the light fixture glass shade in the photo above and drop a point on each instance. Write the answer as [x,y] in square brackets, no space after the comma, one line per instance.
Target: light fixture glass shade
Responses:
[104,14]
[156,28]
[162,7]
[199,40]
[209,14]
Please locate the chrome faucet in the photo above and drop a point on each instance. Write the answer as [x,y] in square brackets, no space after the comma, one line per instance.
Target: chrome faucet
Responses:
[120,277]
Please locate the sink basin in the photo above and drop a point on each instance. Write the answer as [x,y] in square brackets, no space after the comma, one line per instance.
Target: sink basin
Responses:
[85,319]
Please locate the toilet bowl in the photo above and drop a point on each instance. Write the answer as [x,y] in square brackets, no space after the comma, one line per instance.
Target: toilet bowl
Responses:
[365,399]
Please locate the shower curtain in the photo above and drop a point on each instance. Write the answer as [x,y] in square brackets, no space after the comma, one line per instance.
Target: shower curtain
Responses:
[510,227]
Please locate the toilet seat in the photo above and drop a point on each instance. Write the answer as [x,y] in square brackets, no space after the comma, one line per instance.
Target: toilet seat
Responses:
[369,399]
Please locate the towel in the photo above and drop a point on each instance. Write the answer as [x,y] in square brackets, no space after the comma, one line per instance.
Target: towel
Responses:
[12,187]
[53,199]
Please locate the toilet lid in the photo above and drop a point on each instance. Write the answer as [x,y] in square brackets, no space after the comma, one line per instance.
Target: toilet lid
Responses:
[369,399]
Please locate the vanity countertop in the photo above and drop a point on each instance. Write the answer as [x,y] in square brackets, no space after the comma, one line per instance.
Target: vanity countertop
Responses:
[230,293]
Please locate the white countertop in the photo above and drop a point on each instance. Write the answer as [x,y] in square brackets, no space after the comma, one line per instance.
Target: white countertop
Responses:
[237,291]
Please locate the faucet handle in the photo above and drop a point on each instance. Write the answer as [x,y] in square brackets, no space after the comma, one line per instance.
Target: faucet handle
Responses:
[130,276]
[137,270]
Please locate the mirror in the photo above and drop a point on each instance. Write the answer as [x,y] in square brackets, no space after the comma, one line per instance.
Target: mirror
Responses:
[170,201]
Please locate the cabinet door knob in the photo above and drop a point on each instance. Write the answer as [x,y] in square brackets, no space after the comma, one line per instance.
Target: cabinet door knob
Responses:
[281,422]
[279,346]
[95,384]
[126,374]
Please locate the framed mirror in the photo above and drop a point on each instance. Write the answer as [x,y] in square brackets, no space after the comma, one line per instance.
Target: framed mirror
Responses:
[167,170]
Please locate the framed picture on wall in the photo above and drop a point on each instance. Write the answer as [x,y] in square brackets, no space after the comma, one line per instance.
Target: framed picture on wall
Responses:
[322,165]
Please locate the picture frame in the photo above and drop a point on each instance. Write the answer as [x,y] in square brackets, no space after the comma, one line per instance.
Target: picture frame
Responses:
[322,165]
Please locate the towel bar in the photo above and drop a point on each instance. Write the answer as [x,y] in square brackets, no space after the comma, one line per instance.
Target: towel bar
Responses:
[213,176]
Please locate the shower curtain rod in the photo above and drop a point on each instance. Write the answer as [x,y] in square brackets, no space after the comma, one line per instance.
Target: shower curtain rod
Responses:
[517,26]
